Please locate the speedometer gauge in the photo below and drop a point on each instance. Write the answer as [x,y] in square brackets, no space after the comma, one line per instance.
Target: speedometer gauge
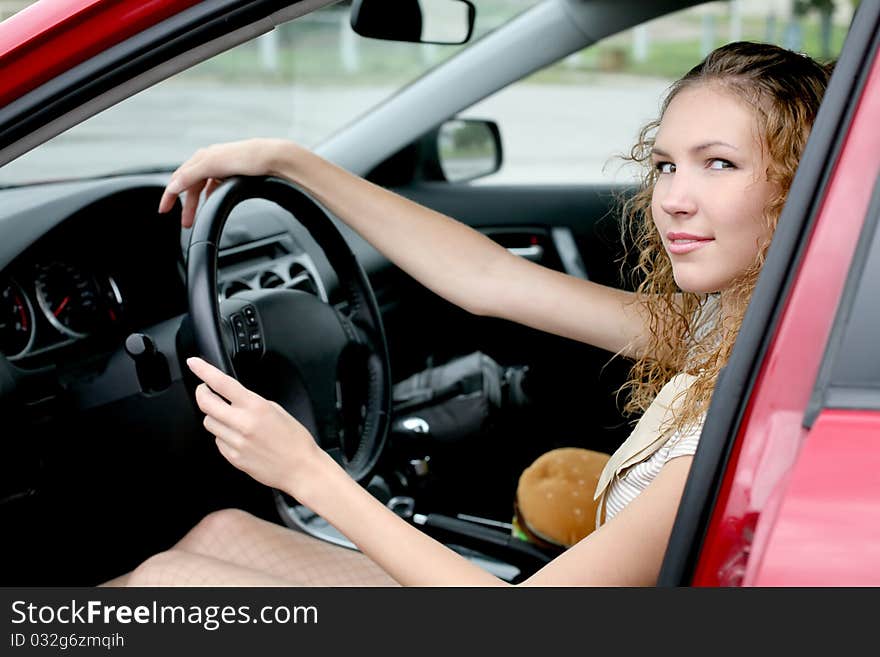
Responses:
[16,320]
[68,298]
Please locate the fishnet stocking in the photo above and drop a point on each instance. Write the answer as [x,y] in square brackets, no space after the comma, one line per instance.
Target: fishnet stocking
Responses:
[232,547]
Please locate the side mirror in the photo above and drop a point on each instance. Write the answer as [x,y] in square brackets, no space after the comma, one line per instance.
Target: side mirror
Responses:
[449,22]
[468,149]
[456,151]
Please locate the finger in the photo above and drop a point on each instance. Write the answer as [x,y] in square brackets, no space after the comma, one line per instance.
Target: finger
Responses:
[178,182]
[196,169]
[214,405]
[221,383]
[167,201]
[190,203]
[230,437]
[213,183]
[229,453]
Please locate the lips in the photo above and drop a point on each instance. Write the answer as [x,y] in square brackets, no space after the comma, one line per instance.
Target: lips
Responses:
[681,243]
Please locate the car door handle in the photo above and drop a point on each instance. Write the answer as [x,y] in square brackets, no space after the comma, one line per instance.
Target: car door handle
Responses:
[534,253]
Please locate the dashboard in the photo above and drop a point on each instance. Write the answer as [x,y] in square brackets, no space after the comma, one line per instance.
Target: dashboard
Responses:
[84,264]
[97,273]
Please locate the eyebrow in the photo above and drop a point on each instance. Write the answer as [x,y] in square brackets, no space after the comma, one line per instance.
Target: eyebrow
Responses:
[695,149]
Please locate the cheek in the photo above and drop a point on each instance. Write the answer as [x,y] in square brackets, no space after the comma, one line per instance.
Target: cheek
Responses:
[656,211]
[759,224]
[749,227]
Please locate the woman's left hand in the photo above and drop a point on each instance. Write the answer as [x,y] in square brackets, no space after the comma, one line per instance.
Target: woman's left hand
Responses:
[254,434]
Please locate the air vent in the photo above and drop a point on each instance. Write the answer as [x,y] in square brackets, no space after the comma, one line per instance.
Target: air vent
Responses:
[269,279]
[234,287]
[300,279]
[305,284]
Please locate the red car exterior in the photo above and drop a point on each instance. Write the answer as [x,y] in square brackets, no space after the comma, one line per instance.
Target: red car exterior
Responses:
[811,495]
[795,506]
[48,38]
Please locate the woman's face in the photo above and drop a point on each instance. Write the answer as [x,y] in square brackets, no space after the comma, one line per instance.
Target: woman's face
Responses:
[712,188]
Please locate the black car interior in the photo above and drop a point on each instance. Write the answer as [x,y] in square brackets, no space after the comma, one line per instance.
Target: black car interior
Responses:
[107,461]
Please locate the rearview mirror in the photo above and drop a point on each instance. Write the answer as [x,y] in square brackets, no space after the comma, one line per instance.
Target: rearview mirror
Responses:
[448,22]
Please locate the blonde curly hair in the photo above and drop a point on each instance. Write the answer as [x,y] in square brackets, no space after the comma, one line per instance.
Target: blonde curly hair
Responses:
[785,89]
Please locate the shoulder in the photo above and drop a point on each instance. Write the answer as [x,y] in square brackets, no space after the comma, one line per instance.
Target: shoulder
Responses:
[683,442]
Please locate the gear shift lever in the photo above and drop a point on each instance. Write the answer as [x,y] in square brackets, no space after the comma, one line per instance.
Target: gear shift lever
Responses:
[150,363]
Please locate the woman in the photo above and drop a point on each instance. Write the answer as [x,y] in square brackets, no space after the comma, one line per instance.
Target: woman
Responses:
[718,165]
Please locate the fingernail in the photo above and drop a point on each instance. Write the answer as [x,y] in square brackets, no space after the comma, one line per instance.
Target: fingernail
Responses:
[191,360]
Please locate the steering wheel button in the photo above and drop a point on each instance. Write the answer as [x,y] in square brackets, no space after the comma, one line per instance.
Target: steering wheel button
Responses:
[256,345]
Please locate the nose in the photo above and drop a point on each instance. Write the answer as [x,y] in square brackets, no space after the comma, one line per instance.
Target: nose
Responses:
[677,195]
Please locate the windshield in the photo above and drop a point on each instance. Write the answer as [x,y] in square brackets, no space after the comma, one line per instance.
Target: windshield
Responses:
[304,81]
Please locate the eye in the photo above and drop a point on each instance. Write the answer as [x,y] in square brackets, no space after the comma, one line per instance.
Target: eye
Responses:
[718,164]
[664,167]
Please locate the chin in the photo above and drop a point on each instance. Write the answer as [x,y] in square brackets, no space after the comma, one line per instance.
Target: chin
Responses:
[697,286]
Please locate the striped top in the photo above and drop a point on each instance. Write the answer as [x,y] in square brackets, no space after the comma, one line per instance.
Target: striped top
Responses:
[624,488]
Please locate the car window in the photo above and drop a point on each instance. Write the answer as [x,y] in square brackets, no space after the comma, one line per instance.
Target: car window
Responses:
[851,373]
[568,122]
[304,81]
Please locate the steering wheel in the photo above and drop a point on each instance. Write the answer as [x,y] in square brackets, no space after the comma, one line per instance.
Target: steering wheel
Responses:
[329,368]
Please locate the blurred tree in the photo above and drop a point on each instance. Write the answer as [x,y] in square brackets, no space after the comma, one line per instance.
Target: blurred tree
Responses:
[794,31]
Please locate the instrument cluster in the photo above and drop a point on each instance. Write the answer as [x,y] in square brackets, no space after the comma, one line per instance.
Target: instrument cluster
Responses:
[53,304]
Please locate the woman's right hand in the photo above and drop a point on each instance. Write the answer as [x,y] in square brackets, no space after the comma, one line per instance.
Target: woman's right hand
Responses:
[256,435]
[208,167]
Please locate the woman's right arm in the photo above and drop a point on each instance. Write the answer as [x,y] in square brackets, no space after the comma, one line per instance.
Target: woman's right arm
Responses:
[453,260]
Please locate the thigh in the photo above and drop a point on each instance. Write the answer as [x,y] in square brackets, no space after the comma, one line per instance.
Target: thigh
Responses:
[181,568]
[239,538]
